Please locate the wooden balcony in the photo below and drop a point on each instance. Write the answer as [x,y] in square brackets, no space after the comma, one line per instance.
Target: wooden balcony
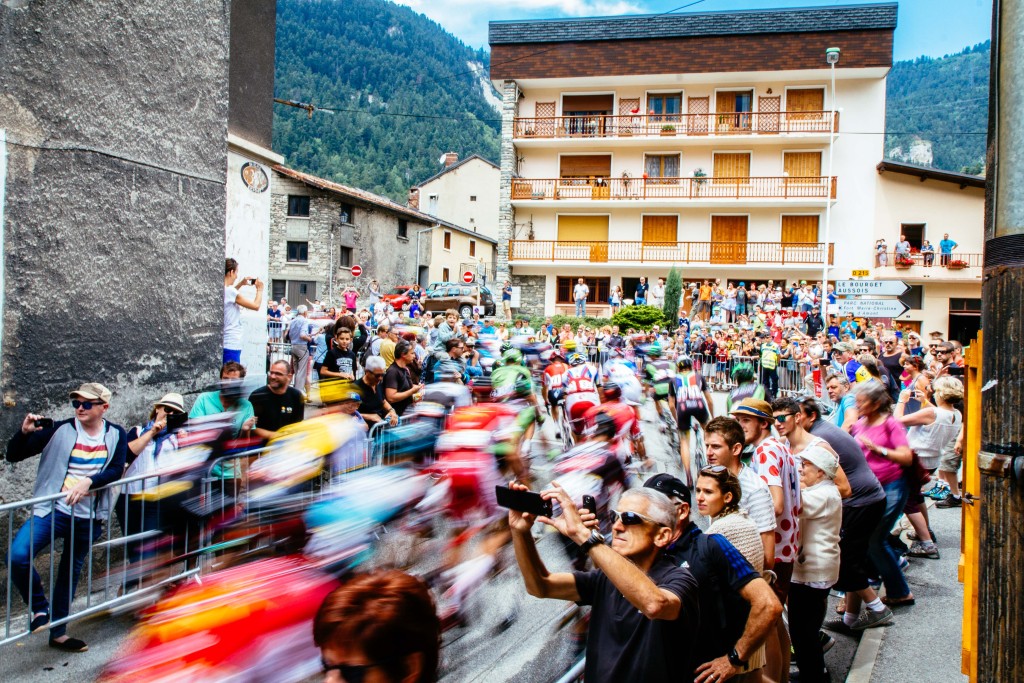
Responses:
[629,188]
[770,253]
[672,125]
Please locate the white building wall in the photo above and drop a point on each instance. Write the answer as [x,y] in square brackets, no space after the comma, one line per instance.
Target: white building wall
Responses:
[454,189]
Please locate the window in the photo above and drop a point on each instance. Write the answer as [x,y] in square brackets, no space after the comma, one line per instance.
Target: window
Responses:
[731,166]
[661,169]
[446,274]
[345,257]
[278,289]
[600,288]
[298,206]
[447,240]
[914,233]
[298,252]
[965,305]
[347,214]
[432,204]
[472,247]
[914,297]
[800,229]
[665,107]
[733,109]
[472,197]
[403,229]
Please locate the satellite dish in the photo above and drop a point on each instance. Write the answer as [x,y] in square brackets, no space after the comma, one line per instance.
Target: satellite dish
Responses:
[441,160]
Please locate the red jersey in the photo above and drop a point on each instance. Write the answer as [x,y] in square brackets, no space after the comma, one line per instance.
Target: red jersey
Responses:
[554,376]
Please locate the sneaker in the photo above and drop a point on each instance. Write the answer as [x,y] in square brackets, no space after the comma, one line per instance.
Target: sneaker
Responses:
[904,562]
[69,645]
[950,502]
[827,641]
[941,495]
[922,549]
[869,618]
[940,489]
[39,622]
[839,626]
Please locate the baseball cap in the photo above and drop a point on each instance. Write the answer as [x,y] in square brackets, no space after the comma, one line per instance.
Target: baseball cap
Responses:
[669,485]
[821,458]
[755,407]
[844,346]
[92,391]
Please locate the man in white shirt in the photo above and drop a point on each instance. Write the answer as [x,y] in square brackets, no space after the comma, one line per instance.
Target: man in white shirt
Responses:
[579,294]
[234,302]
[658,293]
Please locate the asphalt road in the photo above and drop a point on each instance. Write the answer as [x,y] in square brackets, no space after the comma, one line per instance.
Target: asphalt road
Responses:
[924,642]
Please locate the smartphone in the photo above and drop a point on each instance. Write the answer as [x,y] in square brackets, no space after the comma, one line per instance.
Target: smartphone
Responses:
[251,281]
[523,501]
[44,422]
[590,503]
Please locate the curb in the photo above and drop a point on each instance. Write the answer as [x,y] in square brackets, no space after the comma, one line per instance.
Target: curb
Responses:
[867,653]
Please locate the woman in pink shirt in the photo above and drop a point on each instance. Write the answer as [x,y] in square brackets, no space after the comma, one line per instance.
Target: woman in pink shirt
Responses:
[884,442]
[350,295]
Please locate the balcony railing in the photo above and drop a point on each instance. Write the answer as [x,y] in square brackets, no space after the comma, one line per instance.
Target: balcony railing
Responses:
[669,125]
[816,187]
[774,253]
[938,261]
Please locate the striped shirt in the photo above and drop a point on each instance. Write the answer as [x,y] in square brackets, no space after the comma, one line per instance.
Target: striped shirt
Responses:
[756,499]
[87,459]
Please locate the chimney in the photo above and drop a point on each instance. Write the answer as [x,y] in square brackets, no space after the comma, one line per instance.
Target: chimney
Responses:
[450,158]
[414,198]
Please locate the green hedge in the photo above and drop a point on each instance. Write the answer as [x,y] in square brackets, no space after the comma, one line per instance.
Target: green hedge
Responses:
[537,321]
[638,317]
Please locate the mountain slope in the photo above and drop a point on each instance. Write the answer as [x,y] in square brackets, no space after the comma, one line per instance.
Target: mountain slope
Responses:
[372,58]
[936,107]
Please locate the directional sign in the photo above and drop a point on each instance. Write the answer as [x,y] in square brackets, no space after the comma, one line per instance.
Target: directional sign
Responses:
[871,287]
[873,308]
[467,277]
[357,270]
[860,273]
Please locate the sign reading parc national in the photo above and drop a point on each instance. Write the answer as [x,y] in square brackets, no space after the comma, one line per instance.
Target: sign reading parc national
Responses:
[872,308]
[871,287]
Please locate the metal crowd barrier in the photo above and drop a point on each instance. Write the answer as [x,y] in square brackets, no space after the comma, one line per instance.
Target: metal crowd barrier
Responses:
[275,331]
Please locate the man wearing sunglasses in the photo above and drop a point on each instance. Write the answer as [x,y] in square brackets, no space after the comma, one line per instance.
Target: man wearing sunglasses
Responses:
[737,606]
[78,456]
[645,608]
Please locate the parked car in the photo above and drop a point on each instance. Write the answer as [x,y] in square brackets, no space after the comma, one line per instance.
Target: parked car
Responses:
[460,297]
[397,297]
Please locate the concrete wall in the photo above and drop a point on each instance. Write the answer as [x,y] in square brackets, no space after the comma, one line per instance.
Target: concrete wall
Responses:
[457,257]
[455,190]
[372,232]
[116,118]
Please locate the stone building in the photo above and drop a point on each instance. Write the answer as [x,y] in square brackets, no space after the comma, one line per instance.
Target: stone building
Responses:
[318,226]
[113,154]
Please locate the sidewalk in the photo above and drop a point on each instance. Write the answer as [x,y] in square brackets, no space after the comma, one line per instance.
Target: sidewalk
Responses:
[924,641]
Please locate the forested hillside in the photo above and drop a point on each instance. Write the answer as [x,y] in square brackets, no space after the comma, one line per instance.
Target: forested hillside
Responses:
[936,107]
[367,59]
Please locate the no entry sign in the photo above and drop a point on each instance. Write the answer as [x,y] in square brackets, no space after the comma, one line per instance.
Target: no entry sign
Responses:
[467,277]
[357,270]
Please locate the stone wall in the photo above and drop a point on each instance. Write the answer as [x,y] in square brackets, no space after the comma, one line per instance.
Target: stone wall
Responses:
[531,296]
[371,231]
[115,114]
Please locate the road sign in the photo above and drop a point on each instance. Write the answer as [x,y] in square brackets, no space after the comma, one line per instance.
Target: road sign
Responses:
[860,273]
[357,270]
[873,308]
[871,287]
[468,276]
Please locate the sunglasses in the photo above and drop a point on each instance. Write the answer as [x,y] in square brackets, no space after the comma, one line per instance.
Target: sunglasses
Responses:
[782,418]
[632,518]
[84,405]
[713,470]
[352,673]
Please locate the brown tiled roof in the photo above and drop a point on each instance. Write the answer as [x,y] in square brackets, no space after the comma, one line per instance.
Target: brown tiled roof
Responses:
[454,166]
[928,173]
[742,22]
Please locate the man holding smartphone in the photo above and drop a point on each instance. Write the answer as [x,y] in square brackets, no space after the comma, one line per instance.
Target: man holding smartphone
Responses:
[234,302]
[645,608]
[77,456]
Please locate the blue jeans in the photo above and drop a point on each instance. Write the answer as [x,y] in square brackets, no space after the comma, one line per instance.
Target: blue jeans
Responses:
[882,554]
[31,539]
[640,301]
[581,308]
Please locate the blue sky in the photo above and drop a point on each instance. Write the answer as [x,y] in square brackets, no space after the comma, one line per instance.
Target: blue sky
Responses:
[925,27]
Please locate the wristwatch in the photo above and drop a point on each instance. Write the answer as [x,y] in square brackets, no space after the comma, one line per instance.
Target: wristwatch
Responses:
[596,538]
[734,659]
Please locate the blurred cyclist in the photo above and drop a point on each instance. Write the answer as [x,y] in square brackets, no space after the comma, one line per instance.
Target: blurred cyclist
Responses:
[690,398]
[747,386]
[658,372]
[580,391]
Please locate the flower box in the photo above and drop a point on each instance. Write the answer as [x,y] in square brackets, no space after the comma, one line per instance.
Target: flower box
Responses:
[957,265]
[904,263]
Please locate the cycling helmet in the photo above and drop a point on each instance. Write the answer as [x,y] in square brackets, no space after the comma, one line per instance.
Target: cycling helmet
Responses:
[612,391]
[654,351]
[576,359]
[511,356]
[506,346]
[743,373]
[684,363]
[569,345]
[603,425]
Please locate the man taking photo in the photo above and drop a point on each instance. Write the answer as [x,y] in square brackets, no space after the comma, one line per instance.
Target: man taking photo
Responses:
[645,608]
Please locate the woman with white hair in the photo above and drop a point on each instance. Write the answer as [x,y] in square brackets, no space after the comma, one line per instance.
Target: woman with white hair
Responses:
[932,433]
[817,563]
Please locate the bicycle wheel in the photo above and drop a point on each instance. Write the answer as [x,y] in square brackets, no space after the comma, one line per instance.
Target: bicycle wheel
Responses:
[565,429]
[699,458]
[672,430]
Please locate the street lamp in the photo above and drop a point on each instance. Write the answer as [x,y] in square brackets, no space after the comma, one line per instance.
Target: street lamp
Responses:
[832,58]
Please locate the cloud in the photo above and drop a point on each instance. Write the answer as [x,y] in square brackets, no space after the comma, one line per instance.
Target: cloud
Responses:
[468,19]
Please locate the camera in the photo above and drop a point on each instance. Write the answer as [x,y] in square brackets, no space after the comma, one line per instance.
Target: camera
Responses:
[251,281]
[43,422]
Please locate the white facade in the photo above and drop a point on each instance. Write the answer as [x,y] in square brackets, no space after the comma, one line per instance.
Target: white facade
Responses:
[465,194]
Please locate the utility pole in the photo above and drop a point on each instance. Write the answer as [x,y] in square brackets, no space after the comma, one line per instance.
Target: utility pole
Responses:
[1001,460]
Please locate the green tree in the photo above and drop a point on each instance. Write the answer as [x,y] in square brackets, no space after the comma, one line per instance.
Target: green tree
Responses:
[673,292]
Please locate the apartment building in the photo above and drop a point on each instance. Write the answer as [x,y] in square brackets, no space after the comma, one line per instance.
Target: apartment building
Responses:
[711,141]
[924,205]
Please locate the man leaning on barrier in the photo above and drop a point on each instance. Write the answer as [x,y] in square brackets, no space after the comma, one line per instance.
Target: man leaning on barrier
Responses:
[78,456]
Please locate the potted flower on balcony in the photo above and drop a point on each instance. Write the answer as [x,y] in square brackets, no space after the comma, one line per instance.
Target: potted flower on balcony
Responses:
[668,129]
[699,178]
[957,264]
[904,262]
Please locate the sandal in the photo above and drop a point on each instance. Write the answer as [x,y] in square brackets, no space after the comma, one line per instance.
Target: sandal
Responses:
[841,606]
[905,601]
